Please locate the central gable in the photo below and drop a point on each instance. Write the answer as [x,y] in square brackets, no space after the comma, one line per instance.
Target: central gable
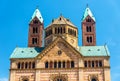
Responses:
[59,50]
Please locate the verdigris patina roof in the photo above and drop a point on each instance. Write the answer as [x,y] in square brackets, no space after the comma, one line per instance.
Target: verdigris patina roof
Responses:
[38,15]
[94,50]
[86,13]
[29,52]
[32,52]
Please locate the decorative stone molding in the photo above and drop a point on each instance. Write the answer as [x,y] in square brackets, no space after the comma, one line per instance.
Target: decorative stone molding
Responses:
[54,77]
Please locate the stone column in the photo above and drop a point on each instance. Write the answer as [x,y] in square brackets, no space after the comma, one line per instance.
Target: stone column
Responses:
[81,65]
[37,77]
[107,74]
[12,76]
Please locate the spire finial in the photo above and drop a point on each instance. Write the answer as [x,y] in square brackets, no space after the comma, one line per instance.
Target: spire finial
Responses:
[87,5]
[37,7]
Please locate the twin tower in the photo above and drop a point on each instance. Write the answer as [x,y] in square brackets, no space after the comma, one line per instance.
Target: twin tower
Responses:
[61,27]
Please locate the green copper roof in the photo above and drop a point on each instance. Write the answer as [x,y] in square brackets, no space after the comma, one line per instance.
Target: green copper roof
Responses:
[38,15]
[26,52]
[88,12]
[94,51]
[32,52]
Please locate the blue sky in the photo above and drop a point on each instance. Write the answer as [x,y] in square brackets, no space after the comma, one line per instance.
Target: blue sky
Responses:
[16,14]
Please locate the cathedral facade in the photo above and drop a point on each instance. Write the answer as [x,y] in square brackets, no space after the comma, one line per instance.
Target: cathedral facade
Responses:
[60,58]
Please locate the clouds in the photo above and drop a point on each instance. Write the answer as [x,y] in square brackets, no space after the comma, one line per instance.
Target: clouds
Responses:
[3,79]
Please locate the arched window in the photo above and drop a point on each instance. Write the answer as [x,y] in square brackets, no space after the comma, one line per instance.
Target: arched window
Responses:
[63,64]
[55,64]
[59,64]
[46,65]
[33,30]
[90,39]
[51,64]
[26,65]
[33,65]
[58,30]
[55,30]
[61,30]
[18,65]
[89,28]
[72,64]
[34,40]
[100,63]
[85,63]
[93,79]
[93,64]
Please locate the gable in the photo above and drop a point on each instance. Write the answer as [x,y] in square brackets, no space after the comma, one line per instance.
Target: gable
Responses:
[55,46]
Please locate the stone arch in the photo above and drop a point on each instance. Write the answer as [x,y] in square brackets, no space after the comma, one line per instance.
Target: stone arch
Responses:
[93,77]
[24,78]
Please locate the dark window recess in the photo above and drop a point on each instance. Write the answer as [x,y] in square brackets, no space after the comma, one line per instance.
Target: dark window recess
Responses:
[72,64]
[100,63]
[85,63]
[93,64]
[18,65]
[26,65]
[63,64]
[46,65]
[59,64]
[33,65]
[34,40]
[89,39]
[55,64]
[35,21]
[88,29]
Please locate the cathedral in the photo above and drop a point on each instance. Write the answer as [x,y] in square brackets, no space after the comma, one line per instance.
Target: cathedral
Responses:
[53,53]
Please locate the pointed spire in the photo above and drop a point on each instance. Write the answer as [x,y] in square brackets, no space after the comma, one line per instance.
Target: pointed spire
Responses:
[88,12]
[37,14]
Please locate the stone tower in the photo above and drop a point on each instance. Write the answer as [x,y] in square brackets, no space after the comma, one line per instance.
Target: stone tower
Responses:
[88,29]
[36,28]
[62,27]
